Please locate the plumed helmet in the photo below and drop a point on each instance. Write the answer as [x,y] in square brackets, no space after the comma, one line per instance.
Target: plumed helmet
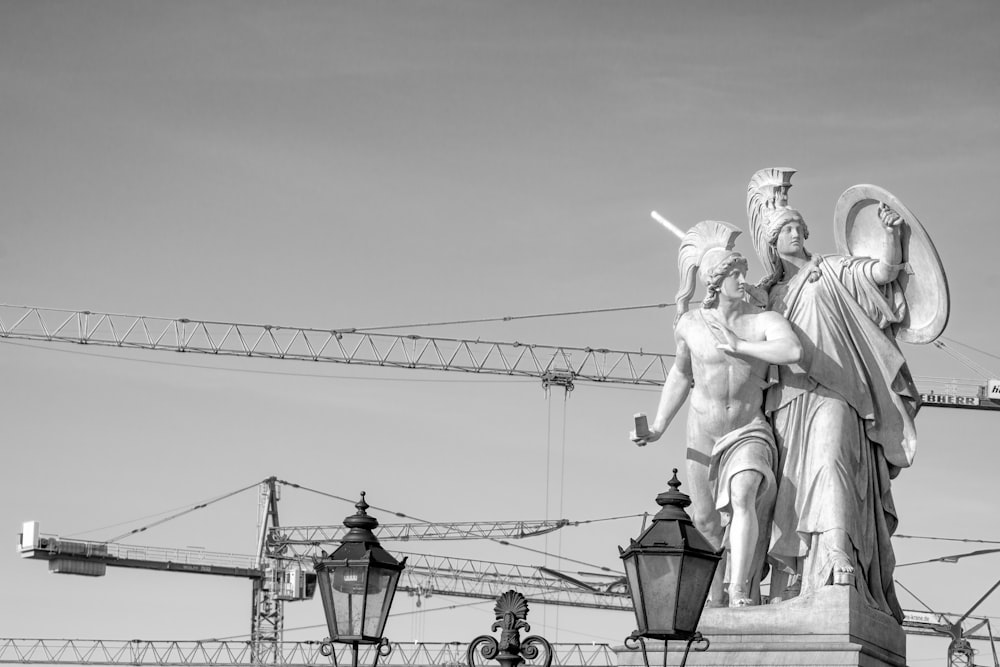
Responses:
[768,210]
[703,248]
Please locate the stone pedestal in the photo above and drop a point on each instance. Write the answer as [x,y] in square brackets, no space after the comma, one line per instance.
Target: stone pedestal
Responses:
[832,627]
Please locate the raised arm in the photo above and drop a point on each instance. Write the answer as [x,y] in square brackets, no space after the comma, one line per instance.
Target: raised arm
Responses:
[676,388]
[890,260]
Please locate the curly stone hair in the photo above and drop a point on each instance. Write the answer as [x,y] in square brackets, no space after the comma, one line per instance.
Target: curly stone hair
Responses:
[719,273]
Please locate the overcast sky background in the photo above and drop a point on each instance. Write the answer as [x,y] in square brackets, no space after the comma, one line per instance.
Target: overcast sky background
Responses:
[333,164]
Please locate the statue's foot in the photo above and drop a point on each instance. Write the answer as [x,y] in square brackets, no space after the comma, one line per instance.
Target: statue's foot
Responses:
[843,570]
[738,597]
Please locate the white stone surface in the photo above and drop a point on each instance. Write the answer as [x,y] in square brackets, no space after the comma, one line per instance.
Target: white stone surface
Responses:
[833,626]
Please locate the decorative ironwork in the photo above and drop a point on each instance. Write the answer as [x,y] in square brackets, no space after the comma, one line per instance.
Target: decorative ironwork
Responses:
[511,611]
[636,642]
[380,649]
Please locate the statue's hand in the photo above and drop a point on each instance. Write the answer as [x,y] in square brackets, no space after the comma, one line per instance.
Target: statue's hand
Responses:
[727,341]
[891,221]
[650,436]
[814,273]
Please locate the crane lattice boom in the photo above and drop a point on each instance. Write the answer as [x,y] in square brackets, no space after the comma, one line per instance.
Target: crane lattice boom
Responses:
[552,364]
[344,346]
[424,574]
[302,541]
[289,654]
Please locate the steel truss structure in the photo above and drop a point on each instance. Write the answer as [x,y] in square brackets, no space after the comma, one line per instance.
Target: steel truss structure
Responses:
[302,541]
[552,364]
[487,580]
[342,346]
[289,654]
[424,574]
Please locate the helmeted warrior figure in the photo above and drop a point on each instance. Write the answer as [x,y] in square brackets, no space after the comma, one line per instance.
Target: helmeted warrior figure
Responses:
[843,413]
[723,351]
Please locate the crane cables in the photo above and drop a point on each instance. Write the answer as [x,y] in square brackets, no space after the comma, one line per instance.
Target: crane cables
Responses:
[964,360]
[511,318]
[186,509]
[492,539]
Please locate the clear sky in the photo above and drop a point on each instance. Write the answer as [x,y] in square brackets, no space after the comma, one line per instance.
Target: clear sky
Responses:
[352,164]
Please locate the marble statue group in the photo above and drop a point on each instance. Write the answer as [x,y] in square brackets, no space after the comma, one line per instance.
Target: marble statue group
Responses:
[800,404]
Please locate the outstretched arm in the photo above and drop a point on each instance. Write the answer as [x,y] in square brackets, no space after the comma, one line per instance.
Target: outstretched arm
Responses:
[676,388]
[780,344]
[890,260]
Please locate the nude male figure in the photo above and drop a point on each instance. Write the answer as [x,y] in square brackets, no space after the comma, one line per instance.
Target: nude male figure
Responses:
[723,352]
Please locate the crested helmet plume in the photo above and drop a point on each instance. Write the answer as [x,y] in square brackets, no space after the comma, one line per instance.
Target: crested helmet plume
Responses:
[703,248]
[767,201]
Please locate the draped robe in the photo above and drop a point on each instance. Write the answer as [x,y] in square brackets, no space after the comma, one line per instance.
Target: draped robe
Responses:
[843,421]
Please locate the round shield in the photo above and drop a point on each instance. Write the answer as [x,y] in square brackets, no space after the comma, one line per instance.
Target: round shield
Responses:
[859,233]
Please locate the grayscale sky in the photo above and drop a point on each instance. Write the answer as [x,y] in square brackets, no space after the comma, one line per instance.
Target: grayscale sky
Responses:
[356,164]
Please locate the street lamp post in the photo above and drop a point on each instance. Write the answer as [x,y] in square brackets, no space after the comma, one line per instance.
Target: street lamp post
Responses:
[669,570]
[357,583]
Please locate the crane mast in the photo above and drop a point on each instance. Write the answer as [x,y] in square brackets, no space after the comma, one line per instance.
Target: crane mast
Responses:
[267,615]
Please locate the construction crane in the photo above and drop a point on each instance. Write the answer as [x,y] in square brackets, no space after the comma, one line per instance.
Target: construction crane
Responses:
[284,574]
[278,578]
[281,570]
[292,580]
[142,653]
[554,365]
[960,628]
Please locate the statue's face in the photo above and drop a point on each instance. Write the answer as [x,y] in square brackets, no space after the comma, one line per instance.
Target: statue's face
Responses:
[791,238]
[733,286]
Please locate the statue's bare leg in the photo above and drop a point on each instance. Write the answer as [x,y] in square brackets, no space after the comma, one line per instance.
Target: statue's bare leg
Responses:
[743,533]
[708,521]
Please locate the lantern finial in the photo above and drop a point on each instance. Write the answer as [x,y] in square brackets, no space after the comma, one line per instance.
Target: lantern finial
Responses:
[673,501]
[361,525]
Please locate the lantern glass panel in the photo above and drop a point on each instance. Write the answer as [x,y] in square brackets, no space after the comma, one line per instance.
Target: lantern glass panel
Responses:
[348,592]
[658,576]
[635,591]
[698,574]
[381,587]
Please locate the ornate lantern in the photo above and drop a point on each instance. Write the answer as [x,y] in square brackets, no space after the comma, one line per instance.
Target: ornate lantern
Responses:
[357,583]
[670,570]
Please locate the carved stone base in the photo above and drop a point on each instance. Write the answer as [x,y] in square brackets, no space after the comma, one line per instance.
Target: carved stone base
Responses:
[832,627]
